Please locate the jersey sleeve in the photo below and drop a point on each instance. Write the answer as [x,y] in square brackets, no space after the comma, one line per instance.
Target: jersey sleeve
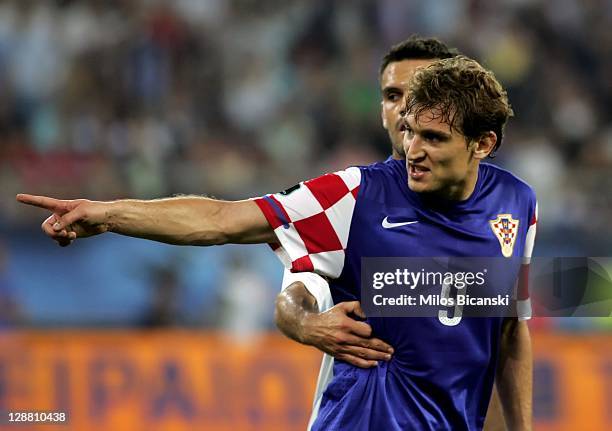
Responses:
[315,284]
[523,301]
[312,221]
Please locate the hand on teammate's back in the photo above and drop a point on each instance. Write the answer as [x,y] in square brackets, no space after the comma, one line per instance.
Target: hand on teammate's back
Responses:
[70,219]
[338,334]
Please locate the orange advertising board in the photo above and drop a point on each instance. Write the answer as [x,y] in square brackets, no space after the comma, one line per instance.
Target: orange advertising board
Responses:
[183,380]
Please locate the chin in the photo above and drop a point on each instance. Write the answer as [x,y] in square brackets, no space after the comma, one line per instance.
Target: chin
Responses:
[423,188]
[417,187]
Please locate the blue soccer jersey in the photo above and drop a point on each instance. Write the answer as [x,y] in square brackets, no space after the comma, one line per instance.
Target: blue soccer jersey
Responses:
[442,372]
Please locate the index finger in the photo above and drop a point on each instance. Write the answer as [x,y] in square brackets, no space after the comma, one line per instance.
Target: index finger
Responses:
[44,202]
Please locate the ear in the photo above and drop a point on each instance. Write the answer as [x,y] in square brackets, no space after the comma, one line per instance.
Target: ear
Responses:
[484,145]
[382,115]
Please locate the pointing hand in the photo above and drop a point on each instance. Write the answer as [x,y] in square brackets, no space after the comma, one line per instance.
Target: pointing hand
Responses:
[70,219]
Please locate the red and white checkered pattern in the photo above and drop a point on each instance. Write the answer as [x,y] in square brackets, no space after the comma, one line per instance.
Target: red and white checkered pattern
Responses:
[507,231]
[312,223]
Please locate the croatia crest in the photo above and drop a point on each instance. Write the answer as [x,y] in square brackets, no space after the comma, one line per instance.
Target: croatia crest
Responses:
[505,229]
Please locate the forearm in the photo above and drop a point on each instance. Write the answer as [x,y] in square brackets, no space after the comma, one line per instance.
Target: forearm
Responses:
[292,306]
[334,331]
[514,376]
[189,221]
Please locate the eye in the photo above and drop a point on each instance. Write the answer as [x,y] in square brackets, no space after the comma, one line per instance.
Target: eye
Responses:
[431,137]
[393,96]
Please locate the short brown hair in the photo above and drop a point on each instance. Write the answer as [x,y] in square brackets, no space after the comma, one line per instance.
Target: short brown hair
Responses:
[417,48]
[464,94]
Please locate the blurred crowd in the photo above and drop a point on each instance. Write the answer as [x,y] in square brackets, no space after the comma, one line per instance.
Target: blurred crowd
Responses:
[235,98]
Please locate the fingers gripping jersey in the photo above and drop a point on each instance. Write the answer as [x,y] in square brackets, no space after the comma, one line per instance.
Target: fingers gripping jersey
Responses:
[441,374]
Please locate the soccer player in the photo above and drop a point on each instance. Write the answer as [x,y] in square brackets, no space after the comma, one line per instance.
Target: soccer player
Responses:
[305,311]
[440,376]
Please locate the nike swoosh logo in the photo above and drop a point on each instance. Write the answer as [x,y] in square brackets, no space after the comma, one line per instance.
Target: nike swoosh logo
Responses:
[388,225]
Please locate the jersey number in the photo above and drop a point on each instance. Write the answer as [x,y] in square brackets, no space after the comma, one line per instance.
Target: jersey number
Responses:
[458,309]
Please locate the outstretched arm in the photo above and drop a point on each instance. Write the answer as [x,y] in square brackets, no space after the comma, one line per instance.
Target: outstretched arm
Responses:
[514,375]
[334,331]
[188,220]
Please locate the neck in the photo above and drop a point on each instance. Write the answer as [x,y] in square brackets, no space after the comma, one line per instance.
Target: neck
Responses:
[460,191]
[465,189]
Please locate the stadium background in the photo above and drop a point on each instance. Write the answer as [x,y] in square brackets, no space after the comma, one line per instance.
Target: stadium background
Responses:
[108,99]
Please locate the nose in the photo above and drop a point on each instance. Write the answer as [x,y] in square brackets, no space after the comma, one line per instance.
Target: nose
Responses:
[413,147]
[407,142]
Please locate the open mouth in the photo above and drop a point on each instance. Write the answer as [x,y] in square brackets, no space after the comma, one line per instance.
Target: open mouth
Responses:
[417,172]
